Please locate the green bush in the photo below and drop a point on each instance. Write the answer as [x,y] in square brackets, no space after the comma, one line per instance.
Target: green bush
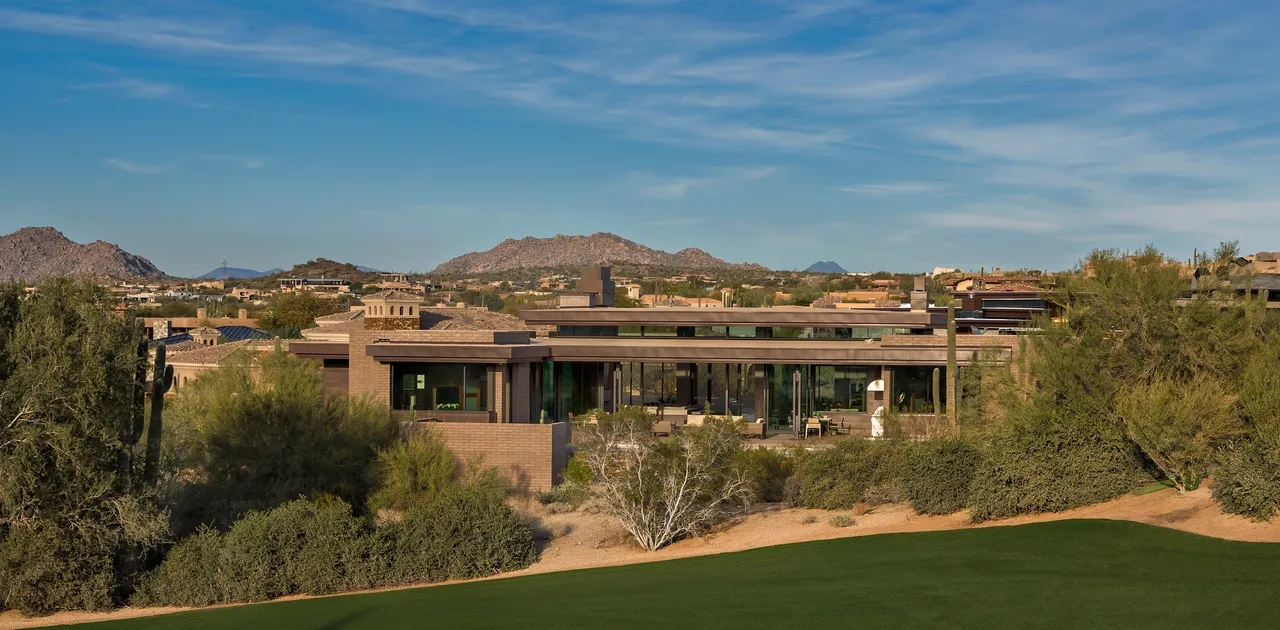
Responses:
[840,520]
[299,547]
[768,470]
[1045,469]
[315,548]
[937,475]
[44,569]
[467,533]
[188,576]
[1247,481]
[839,477]
[413,472]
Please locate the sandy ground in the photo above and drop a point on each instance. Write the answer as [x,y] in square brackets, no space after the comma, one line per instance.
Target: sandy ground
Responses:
[585,539]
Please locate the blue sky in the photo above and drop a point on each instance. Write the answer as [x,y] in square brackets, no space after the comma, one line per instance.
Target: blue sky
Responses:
[880,134]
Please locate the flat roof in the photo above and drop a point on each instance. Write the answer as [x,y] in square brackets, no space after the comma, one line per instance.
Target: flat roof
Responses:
[691,316]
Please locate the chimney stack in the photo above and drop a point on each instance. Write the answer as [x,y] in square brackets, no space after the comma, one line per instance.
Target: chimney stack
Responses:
[202,314]
[919,297]
[242,314]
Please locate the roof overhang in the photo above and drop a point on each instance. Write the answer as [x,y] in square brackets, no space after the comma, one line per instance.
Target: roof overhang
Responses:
[750,351]
[678,316]
[401,352]
[319,349]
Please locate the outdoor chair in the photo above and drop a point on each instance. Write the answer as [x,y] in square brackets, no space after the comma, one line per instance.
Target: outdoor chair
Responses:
[812,424]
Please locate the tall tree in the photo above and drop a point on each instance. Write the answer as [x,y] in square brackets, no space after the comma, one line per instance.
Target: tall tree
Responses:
[76,514]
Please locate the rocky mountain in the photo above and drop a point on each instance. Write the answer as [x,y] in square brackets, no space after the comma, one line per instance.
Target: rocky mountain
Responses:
[225,273]
[563,252]
[36,253]
[826,266]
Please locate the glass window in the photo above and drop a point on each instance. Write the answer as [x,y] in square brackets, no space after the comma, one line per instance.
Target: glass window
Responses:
[439,386]
[711,331]
[742,332]
[913,388]
[840,388]
[659,331]
[629,331]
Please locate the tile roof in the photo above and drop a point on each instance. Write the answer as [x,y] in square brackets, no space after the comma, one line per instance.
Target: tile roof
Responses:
[217,355]
[229,333]
[393,294]
[339,318]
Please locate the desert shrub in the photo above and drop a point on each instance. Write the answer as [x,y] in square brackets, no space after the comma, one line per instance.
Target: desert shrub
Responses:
[260,432]
[839,477]
[841,520]
[1247,481]
[466,533]
[937,474]
[577,472]
[663,490]
[574,487]
[1043,468]
[44,569]
[299,547]
[188,576]
[768,470]
[1179,425]
[413,472]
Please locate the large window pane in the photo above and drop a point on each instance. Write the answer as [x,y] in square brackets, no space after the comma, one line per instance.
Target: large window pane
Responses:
[913,388]
[439,386]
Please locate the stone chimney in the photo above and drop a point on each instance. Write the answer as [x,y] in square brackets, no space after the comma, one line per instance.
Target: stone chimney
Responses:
[242,313]
[596,282]
[919,297]
[392,310]
[202,314]
[206,336]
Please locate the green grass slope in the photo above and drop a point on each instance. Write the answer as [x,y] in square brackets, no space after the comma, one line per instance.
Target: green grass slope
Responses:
[1067,574]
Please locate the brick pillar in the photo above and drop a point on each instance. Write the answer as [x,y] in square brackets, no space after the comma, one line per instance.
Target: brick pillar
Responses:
[520,393]
[497,389]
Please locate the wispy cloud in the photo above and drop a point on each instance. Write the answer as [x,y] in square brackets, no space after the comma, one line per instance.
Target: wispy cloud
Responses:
[892,188]
[234,160]
[1090,112]
[660,187]
[129,166]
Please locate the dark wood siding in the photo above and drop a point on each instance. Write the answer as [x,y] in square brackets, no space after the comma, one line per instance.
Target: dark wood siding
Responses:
[336,376]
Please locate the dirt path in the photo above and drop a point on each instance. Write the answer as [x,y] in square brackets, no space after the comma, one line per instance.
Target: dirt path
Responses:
[580,540]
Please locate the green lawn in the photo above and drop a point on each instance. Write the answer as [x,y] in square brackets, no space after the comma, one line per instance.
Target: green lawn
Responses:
[1067,574]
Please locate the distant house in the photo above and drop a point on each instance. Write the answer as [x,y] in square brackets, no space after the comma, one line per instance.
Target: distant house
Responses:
[162,327]
[246,294]
[322,286]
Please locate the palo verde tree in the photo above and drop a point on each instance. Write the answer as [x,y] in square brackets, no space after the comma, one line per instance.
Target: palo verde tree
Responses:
[663,490]
[77,511]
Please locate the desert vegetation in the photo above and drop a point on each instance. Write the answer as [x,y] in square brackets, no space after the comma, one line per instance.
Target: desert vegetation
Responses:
[1142,379]
[250,484]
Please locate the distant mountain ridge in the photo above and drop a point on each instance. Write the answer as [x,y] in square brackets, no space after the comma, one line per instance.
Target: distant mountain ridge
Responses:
[226,273]
[35,253]
[564,251]
[826,266]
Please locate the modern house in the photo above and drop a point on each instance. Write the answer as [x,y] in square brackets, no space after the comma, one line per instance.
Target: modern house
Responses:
[771,366]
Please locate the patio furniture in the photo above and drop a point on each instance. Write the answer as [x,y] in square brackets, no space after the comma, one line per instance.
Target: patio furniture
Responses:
[752,429]
[813,424]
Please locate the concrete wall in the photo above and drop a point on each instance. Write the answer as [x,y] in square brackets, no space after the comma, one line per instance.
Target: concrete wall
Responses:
[530,456]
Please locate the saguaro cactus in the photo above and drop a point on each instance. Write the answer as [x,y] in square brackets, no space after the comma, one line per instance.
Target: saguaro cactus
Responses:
[159,384]
[952,368]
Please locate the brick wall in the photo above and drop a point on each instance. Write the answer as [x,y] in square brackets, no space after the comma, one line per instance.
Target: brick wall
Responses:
[530,456]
